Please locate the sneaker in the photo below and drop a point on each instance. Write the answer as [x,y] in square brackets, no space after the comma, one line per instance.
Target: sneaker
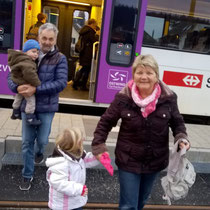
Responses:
[39,159]
[16,114]
[25,183]
[32,120]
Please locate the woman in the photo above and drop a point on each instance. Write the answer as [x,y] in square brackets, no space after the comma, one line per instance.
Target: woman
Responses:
[89,36]
[147,107]
[33,30]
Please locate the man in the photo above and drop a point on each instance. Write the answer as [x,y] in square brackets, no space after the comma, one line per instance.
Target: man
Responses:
[33,30]
[53,74]
[89,36]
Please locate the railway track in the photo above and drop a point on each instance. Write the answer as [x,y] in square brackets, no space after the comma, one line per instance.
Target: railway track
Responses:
[92,206]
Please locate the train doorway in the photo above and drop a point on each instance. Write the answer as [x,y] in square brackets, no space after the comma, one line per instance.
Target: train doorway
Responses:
[70,18]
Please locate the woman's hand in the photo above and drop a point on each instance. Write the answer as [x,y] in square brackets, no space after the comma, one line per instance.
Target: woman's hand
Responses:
[99,156]
[184,143]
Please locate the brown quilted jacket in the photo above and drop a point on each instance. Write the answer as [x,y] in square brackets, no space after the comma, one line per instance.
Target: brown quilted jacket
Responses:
[23,68]
[142,143]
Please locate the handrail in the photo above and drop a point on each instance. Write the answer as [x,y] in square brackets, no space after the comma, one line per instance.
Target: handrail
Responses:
[94,49]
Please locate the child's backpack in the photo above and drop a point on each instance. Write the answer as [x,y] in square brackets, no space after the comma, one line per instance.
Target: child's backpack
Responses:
[80,45]
[33,32]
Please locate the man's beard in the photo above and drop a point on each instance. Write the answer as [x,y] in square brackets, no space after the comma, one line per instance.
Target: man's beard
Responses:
[46,49]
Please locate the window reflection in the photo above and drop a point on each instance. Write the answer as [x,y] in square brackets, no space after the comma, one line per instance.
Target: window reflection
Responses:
[123,30]
[52,14]
[6,26]
[179,26]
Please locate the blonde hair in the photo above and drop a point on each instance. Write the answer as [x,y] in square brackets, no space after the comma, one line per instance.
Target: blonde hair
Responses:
[145,60]
[70,141]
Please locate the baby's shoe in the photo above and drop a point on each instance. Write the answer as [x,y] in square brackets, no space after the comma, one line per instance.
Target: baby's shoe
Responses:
[31,119]
[16,114]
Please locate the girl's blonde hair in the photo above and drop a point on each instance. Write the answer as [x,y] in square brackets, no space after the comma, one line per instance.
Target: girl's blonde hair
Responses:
[70,141]
[145,60]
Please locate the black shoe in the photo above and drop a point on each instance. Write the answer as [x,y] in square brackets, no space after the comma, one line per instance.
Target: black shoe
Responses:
[16,114]
[75,87]
[32,120]
[39,159]
[84,88]
[25,183]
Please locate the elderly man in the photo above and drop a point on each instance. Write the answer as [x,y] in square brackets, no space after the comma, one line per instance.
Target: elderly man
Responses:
[53,74]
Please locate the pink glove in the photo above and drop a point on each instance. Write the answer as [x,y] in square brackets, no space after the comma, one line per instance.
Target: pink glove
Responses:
[106,162]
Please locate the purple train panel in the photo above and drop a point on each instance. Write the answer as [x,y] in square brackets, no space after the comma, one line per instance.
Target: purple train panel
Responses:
[10,37]
[122,37]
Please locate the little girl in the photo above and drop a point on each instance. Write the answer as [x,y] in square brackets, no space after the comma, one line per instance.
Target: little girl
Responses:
[66,174]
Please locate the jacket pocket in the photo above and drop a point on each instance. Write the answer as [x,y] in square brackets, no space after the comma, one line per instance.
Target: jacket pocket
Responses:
[138,152]
[122,152]
[131,121]
[160,152]
[160,158]
[160,122]
[127,115]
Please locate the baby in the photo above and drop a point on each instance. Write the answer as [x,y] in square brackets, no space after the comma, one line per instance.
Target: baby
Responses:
[24,71]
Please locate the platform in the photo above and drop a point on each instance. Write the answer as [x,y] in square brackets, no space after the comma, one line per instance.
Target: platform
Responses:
[10,134]
[102,187]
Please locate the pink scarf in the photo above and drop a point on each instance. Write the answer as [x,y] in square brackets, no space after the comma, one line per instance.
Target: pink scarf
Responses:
[147,105]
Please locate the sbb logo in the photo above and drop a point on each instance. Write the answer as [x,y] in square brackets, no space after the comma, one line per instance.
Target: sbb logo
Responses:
[183,79]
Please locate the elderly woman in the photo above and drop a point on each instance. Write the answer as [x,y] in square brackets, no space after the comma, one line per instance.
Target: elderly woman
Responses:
[147,108]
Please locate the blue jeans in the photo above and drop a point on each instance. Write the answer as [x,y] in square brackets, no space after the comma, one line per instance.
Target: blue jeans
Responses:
[134,189]
[34,138]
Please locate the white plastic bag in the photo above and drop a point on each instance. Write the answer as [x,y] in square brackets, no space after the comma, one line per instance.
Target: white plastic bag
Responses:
[180,176]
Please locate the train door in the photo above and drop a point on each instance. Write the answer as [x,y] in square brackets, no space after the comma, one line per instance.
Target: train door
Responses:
[69,18]
[121,39]
[11,14]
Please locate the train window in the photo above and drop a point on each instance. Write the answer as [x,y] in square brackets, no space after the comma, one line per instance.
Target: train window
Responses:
[79,19]
[153,30]
[180,25]
[52,14]
[123,32]
[6,24]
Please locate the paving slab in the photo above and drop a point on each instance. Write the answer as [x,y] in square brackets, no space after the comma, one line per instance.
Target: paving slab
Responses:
[198,134]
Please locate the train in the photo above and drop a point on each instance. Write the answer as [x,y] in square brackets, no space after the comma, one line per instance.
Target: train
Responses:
[176,33]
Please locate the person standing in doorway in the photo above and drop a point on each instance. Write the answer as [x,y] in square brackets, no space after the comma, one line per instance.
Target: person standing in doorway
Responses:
[33,30]
[89,36]
[53,74]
